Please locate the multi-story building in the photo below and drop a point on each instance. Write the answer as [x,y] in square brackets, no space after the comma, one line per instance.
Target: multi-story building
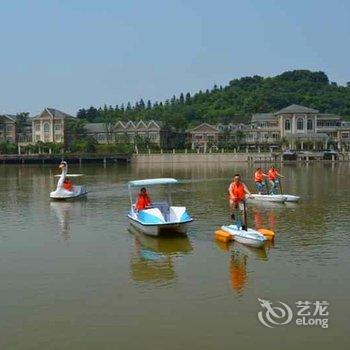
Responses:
[295,126]
[7,128]
[343,136]
[49,125]
[263,130]
[121,132]
[204,136]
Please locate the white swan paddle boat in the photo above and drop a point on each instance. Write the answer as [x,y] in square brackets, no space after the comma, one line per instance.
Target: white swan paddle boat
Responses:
[61,192]
[250,237]
[159,217]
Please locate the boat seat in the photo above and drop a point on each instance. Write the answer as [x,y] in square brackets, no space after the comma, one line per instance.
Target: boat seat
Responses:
[164,209]
[177,214]
[151,216]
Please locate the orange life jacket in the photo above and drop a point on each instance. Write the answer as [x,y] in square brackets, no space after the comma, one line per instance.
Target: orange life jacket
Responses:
[272,174]
[258,176]
[143,201]
[237,192]
[67,186]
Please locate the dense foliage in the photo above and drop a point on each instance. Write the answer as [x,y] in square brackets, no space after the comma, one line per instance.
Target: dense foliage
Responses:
[235,102]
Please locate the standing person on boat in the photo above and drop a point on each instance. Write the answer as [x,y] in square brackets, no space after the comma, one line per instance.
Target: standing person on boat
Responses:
[143,200]
[259,180]
[273,179]
[237,195]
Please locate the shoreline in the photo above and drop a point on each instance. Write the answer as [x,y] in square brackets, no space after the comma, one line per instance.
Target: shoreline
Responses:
[173,158]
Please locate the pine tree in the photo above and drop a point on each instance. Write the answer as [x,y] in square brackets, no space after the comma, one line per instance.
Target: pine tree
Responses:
[181,99]
[142,104]
[149,104]
[188,98]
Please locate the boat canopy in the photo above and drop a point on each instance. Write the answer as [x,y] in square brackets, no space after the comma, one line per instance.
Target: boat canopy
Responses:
[152,182]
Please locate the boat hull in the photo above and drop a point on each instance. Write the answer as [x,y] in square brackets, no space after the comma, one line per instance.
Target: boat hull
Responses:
[62,194]
[291,198]
[250,237]
[158,229]
[276,198]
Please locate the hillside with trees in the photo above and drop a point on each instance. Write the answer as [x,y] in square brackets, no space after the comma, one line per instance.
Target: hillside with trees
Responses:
[235,102]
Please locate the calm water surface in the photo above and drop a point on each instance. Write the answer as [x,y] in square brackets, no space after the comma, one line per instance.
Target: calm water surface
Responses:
[72,276]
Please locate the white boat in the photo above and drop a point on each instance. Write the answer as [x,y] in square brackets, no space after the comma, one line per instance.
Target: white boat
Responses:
[291,198]
[160,217]
[61,192]
[250,237]
[277,198]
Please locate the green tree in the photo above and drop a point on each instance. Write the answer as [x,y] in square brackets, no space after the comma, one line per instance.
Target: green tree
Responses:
[74,130]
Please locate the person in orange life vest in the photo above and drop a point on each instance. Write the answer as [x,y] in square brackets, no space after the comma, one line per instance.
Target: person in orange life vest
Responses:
[237,195]
[259,180]
[273,179]
[67,185]
[143,200]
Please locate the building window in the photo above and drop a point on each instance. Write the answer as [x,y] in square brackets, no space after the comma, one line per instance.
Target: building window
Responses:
[309,124]
[101,137]
[37,127]
[287,124]
[328,123]
[57,127]
[300,124]
[58,138]
[9,128]
[153,136]
[46,127]
[210,138]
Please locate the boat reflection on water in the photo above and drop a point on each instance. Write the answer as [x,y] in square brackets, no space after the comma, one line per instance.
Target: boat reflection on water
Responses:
[153,257]
[65,213]
[259,220]
[240,256]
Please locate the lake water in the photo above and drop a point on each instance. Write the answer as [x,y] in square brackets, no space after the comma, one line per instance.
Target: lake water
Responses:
[72,276]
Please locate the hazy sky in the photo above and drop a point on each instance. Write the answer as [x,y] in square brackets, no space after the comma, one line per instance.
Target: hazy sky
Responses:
[70,54]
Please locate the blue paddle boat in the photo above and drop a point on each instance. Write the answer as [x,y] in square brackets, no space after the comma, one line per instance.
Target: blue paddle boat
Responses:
[160,216]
